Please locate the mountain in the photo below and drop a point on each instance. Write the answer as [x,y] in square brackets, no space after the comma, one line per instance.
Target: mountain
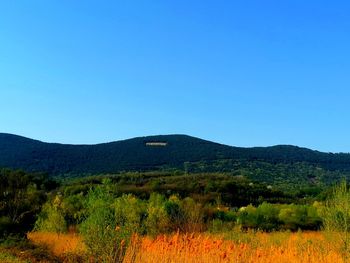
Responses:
[153,153]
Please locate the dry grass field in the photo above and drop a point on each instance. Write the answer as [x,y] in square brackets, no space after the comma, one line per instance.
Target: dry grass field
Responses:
[58,244]
[260,247]
[238,247]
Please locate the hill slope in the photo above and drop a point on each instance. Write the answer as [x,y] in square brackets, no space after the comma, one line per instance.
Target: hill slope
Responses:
[150,153]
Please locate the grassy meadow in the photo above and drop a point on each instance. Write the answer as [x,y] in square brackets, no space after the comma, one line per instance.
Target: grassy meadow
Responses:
[234,246]
[132,218]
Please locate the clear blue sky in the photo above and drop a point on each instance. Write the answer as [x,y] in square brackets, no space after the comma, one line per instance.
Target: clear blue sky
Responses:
[245,73]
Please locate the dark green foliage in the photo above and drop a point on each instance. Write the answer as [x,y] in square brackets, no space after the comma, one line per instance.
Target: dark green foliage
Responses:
[281,165]
[184,202]
[234,191]
[225,215]
[172,208]
[21,198]
[168,212]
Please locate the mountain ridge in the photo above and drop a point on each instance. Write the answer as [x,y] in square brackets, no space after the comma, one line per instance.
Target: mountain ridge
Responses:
[134,154]
[165,135]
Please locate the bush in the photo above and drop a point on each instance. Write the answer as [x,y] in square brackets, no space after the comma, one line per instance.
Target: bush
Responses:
[129,214]
[270,217]
[220,226]
[51,218]
[157,220]
[336,215]
[6,226]
[193,215]
[104,243]
[110,222]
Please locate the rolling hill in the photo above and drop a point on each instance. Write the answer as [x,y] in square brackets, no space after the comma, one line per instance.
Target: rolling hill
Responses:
[153,153]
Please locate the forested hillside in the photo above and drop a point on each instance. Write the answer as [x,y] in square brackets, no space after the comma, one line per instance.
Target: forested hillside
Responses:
[172,152]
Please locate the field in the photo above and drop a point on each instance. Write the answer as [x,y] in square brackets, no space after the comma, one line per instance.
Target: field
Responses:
[238,247]
[104,225]
[59,244]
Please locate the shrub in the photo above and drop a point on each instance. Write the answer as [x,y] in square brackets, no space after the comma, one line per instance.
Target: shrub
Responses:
[157,220]
[110,222]
[336,215]
[193,215]
[6,226]
[99,228]
[51,218]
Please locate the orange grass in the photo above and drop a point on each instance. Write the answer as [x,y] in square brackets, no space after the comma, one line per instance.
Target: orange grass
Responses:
[274,247]
[58,244]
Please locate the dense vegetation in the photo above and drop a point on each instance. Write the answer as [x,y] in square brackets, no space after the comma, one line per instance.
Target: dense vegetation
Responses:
[220,196]
[22,196]
[107,210]
[108,192]
[104,217]
[283,165]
